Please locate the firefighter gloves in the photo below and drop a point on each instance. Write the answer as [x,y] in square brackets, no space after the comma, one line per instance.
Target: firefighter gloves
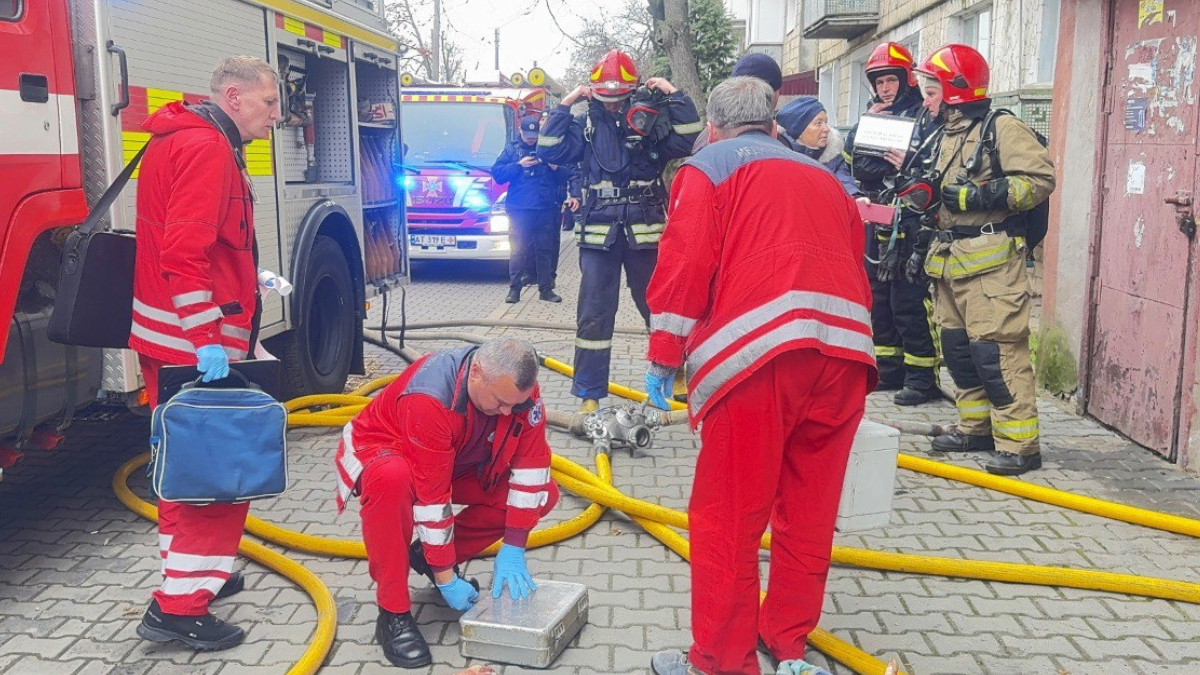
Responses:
[510,569]
[989,195]
[213,362]
[459,594]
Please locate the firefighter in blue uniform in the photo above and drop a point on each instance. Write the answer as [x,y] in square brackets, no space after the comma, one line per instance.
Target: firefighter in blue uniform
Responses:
[904,347]
[622,143]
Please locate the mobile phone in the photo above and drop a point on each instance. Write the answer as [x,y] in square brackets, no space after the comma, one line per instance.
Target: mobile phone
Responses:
[877,213]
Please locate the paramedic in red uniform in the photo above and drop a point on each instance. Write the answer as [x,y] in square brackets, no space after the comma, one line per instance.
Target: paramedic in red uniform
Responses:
[762,289]
[195,302]
[464,426]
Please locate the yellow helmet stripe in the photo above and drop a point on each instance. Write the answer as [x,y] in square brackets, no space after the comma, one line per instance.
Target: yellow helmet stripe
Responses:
[897,54]
[627,76]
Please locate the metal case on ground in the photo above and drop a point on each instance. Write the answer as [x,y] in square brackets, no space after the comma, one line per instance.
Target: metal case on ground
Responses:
[530,632]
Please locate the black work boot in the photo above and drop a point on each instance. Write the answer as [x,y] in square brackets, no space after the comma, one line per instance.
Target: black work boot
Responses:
[514,295]
[911,396]
[235,584]
[204,633]
[957,441]
[1008,464]
[402,642]
[549,296]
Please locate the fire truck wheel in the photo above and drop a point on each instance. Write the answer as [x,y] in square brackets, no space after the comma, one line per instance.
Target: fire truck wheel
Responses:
[316,355]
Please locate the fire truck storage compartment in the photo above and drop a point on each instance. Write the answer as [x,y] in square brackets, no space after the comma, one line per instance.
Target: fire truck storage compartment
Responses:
[377,86]
[327,80]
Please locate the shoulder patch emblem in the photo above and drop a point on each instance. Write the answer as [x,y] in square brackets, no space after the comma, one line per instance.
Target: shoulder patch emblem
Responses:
[536,413]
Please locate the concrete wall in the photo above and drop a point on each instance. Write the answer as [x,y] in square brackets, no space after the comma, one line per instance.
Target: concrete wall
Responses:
[1077,94]
[1016,34]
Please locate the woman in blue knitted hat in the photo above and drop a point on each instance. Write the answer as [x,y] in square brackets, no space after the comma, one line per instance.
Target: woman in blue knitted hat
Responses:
[807,123]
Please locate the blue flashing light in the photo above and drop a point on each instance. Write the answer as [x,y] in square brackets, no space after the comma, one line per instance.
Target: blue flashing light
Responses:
[460,183]
[476,200]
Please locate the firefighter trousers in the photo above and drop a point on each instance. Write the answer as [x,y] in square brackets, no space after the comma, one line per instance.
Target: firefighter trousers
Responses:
[386,497]
[773,450]
[596,316]
[197,544]
[533,236]
[904,346]
[985,342]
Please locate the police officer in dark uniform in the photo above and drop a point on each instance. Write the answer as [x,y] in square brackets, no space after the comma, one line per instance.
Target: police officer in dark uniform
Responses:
[532,204]
[904,347]
[622,143]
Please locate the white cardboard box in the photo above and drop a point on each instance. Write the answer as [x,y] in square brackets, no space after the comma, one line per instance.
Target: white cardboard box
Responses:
[870,478]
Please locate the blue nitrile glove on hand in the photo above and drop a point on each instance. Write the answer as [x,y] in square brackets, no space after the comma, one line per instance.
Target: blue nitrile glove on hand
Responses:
[799,667]
[510,569]
[660,380]
[213,362]
[459,594]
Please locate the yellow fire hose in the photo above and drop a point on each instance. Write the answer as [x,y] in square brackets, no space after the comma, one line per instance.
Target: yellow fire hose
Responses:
[335,410]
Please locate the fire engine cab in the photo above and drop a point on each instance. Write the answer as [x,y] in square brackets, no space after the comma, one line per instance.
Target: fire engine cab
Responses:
[453,136]
[77,78]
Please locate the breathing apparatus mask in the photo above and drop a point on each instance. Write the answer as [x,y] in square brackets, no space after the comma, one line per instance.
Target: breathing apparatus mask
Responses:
[644,122]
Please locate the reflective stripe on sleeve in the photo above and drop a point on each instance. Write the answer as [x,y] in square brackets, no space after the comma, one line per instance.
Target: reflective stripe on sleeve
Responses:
[675,324]
[886,351]
[191,298]
[529,477]
[549,141]
[688,128]
[527,500]
[200,318]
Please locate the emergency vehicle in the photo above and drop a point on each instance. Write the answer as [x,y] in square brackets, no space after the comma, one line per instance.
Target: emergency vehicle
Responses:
[453,135]
[77,78]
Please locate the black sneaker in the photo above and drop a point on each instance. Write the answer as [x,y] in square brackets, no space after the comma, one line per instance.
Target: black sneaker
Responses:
[235,584]
[957,441]
[402,642]
[549,296]
[1008,464]
[514,295]
[204,633]
[911,396]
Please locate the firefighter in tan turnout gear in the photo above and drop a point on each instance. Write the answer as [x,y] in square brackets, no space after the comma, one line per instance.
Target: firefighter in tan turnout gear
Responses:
[977,260]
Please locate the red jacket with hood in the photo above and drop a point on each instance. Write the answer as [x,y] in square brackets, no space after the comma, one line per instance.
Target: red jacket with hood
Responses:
[425,417]
[196,279]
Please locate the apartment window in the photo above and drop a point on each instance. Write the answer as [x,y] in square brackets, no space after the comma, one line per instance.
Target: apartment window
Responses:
[1048,45]
[977,31]
[913,44]
[10,10]
[827,93]
[791,14]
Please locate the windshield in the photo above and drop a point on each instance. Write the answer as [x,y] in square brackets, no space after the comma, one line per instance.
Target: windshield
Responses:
[472,133]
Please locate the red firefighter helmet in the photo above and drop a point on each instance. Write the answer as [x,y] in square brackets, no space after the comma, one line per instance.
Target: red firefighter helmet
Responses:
[614,78]
[890,56]
[962,72]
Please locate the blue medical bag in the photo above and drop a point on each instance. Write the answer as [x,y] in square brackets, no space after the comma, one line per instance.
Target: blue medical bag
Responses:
[213,444]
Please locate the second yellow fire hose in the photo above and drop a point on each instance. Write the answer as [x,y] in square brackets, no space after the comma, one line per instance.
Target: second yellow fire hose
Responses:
[335,410]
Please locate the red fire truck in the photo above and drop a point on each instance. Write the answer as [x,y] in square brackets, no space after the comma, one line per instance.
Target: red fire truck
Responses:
[453,135]
[77,77]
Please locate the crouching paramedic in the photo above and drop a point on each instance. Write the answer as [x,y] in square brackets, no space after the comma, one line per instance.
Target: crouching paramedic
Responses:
[765,293]
[464,426]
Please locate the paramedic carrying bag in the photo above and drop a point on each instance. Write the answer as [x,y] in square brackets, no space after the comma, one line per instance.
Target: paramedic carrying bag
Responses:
[214,444]
[94,303]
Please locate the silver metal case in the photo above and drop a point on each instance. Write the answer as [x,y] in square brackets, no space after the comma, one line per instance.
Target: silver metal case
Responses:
[530,632]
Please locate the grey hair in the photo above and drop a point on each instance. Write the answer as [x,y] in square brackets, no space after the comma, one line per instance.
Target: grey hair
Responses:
[741,102]
[508,356]
[242,70]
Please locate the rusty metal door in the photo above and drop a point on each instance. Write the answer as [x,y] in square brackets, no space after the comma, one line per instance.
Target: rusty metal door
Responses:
[1140,295]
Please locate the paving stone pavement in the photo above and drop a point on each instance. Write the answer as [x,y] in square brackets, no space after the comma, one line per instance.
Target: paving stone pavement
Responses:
[76,568]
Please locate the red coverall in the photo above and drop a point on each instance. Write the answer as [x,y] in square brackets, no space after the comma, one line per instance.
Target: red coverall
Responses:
[763,288]
[421,446]
[195,284]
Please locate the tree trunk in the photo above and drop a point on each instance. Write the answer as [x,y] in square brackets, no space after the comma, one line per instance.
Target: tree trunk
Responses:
[677,42]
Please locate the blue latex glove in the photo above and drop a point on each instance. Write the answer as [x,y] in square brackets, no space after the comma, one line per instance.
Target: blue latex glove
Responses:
[799,667]
[459,594]
[659,388]
[510,569]
[213,362]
